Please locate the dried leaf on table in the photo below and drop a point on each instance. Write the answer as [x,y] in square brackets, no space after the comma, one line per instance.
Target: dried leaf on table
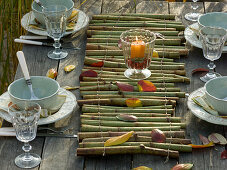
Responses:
[217,138]
[158,136]
[127,118]
[202,146]
[187,166]
[146,86]
[118,139]
[69,68]
[89,73]
[133,102]
[124,86]
[199,70]
[142,168]
[52,73]
[71,87]
[204,139]
[224,153]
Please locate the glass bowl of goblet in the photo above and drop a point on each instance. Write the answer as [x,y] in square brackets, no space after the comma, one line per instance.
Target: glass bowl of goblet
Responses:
[137,46]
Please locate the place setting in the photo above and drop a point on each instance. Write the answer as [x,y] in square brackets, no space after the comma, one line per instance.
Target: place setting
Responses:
[208,102]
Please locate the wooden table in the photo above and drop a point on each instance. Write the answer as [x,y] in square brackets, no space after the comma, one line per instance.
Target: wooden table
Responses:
[60,153]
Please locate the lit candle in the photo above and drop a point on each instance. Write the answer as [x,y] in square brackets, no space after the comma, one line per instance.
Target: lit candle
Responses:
[137,49]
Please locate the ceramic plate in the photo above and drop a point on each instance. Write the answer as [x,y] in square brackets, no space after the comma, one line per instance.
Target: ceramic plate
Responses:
[29,18]
[191,36]
[66,109]
[201,113]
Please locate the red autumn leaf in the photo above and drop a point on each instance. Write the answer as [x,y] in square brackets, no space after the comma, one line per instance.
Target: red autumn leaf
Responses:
[133,102]
[89,73]
[187,166]
[158,136]
[202,146]
[199,70]
[146,86]
[98,64]
[124,86]
[224,154]
[204,139]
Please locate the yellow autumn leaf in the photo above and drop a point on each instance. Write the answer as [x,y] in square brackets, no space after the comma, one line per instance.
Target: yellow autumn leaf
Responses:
[118,139]
[142,168]
[155,54]
[69,68]
[133,102]
[202,146]
[74,14]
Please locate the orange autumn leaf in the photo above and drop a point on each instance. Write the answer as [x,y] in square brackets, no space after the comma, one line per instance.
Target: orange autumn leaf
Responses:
[98,64]
[146,86]
[133,102]
[142,168]
[187,166]
[118,139]
[202,146]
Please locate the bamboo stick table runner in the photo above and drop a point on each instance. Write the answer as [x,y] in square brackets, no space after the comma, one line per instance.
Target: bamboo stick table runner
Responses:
[104,101]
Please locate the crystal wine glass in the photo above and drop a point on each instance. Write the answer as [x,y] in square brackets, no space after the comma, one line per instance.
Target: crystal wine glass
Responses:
[55,19]
[137,46]
[213,40]
[25,116]
[193,16]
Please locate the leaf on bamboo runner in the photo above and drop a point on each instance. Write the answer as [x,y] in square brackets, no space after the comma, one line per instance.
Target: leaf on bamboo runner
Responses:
[127,118]
[133,102]
[97,64]
[202,146]
[89,73]
[155,54]
[187,166]
[146,86]
[124,86]
[118,139]
[158,136]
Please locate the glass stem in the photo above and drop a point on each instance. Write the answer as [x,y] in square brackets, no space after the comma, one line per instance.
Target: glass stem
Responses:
[27,147]
[211,67]
[194,5]
[57,46]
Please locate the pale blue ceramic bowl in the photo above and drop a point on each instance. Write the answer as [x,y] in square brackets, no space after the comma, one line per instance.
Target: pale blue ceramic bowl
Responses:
[216,91]
[213,19]
[37,10]
[46,89]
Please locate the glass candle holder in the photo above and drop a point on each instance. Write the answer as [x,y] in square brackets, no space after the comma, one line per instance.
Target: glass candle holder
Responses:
[137,46]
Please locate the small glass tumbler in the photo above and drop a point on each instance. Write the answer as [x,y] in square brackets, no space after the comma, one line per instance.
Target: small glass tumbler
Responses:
[137,46]
[55,19]
[213,40]
[25,116]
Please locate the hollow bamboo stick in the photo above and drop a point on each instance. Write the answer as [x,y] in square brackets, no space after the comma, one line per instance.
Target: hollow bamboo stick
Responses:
[143,107]
[127,96]
[178,72]
[175,147]
[126,150]
[159,25]
[121,18]
[111,28]
[122,102]
[153,80]
[147,20]
[83,135]
[129,124]
[147,15]
[161,94]
[98,32]
[130,113]
[176,42]
[139,119]
[89,61]
[92,128]
[122,57]
[136,138]
[112,87]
